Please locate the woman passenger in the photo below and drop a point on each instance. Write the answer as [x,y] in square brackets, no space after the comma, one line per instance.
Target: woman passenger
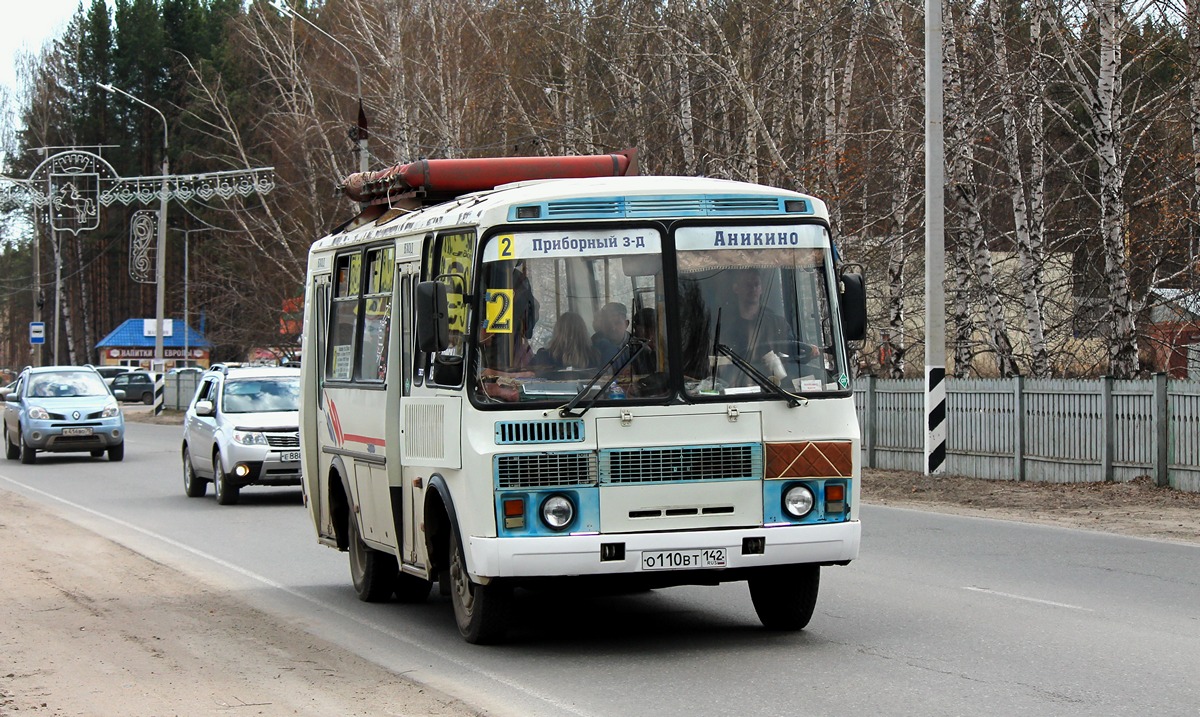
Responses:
[570,347]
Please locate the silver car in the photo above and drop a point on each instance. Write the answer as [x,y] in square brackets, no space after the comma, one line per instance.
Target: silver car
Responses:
[60,409]
[242,428]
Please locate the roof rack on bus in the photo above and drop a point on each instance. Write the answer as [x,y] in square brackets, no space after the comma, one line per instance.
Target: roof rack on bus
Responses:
[432,181]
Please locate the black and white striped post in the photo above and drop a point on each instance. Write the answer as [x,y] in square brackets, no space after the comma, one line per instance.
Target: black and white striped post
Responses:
[160,390]
[935,246]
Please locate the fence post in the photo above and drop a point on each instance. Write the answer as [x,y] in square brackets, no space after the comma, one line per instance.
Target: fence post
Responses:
[1019,427]
[869,421]
[1162,431]
[1108,429]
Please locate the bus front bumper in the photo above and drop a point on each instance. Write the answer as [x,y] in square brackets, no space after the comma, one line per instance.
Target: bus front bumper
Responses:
[569,555]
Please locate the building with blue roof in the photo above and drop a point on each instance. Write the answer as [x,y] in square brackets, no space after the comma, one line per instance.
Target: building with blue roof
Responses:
[132,344]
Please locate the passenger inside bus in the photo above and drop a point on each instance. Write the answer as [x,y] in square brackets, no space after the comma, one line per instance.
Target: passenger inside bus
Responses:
[570,347]
[611,325]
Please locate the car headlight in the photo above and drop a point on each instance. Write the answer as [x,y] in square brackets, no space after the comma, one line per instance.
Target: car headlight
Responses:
[249,438]
[38,413]
[798,501]
[111,410]
[557,512]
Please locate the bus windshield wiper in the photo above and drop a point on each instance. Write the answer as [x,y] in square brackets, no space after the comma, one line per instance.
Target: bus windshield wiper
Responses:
[568,411]
[759,377]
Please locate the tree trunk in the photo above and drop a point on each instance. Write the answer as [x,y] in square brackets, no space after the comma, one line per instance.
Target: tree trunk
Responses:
[1123,351]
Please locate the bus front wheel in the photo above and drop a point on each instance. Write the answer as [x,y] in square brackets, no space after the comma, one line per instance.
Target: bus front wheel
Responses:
[481,611]
[784,597]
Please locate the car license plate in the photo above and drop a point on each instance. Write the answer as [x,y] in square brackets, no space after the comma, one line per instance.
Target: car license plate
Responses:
[683,559]
[289,456]
[77,431]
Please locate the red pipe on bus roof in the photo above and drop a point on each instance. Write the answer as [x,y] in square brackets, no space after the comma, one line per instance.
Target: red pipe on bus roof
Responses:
[460,176]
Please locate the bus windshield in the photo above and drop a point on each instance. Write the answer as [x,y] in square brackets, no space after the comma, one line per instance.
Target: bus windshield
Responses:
[560,308]
[563,312]
[755,310]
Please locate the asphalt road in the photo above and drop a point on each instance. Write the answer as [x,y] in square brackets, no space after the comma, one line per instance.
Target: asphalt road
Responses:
[941,615]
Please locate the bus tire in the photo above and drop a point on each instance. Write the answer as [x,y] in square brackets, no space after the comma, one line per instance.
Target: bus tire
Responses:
[481,611]
[784,597]
[373,572]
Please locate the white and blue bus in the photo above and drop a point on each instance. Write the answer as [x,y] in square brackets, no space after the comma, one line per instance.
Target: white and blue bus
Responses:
[633,381]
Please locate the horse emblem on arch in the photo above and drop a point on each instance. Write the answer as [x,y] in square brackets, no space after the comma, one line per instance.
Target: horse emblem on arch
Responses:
[73,201]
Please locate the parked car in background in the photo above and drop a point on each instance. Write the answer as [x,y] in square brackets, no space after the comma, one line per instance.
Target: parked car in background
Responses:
[242,428]
[62,409]
[108,373]
[137,385]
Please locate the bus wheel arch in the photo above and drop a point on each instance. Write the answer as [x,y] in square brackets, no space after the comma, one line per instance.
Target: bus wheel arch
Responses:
[439,515]
[339,503]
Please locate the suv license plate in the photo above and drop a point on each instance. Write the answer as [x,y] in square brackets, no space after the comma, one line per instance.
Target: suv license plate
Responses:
[683,559]
[77,431]
[290,456]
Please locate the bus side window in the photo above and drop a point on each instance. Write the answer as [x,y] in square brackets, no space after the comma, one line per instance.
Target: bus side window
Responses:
[344,317]
[455,254]
[377,314]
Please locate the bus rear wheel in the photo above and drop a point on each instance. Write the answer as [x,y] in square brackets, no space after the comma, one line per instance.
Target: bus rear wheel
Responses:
[784,597]
[481,611]
[372,572]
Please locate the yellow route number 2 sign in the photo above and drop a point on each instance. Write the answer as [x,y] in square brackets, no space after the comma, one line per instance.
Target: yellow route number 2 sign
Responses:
[499,311]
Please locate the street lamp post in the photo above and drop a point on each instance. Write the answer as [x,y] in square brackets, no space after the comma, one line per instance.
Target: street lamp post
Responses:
[187,333]
[360,131]
[160,259]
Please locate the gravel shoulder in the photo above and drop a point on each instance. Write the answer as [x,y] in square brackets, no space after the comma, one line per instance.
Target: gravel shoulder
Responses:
[88,627]
[1138,508]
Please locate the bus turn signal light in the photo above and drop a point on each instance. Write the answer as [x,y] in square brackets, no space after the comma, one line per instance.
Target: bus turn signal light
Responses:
[835,498]
[514,513]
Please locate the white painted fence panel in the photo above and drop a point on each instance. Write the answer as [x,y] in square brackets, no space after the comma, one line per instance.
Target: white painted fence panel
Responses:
[1052,430]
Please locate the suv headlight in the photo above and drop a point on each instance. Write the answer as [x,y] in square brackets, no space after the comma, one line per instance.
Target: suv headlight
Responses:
[249,438]
[38,413]
[111,410]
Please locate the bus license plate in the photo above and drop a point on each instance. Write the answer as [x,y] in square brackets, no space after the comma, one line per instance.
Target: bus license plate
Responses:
[683,559]
[77,431]
[289,456]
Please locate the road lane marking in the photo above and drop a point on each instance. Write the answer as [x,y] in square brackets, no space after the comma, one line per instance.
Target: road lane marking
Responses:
[340,612]
[1027,599]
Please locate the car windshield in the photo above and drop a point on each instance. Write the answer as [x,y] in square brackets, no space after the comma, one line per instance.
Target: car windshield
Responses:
[260,395]
[66,384]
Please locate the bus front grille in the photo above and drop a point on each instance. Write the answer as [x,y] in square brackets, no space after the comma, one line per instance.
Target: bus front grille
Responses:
[515,432]
[545,470]
[681,463]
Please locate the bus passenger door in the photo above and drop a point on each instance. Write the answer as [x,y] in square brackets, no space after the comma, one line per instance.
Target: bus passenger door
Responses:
[313,420]
[408,516]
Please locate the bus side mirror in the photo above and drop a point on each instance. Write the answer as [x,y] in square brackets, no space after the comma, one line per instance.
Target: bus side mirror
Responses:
[433,317]
[853,302]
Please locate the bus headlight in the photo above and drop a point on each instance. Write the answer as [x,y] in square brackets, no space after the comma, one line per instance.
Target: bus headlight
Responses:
[798,501]
[557,512]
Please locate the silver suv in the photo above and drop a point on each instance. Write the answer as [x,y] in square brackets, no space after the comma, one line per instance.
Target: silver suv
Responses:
[242,428]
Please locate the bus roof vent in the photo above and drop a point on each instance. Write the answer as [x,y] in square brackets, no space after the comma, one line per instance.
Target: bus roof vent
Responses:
[519,432]
[672,206]
[747,205]
[585,208]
